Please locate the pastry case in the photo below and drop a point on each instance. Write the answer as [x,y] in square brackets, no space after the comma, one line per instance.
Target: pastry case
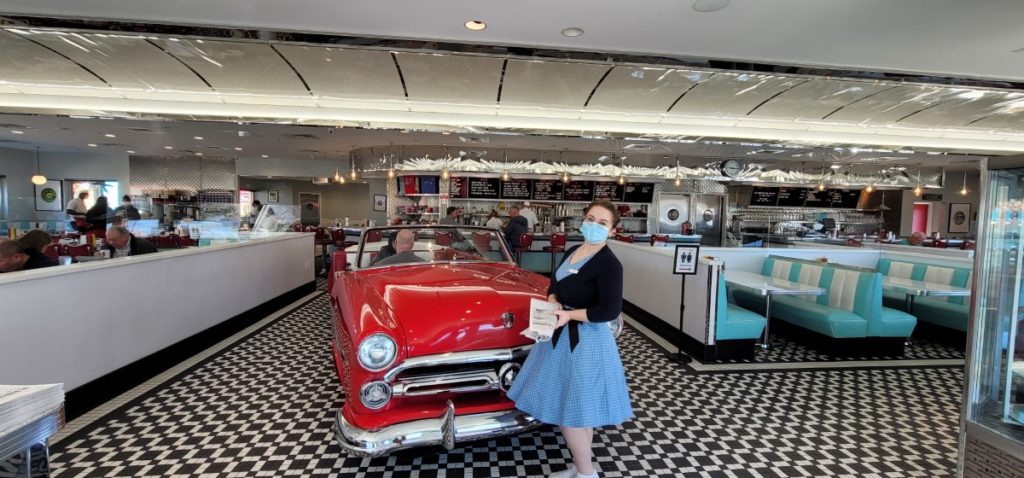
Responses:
[992,437]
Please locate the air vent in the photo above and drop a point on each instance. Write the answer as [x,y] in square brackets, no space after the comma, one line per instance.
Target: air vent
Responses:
[300,136]
[474,139]
[638,147]
[768,151]
[311,151]
[220,148]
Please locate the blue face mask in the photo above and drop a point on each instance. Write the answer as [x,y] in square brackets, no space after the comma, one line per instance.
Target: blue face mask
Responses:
[594,233]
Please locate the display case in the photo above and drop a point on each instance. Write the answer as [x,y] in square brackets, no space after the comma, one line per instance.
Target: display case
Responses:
[993,432]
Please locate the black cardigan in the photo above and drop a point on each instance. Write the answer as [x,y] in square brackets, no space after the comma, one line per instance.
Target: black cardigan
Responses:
[597,286]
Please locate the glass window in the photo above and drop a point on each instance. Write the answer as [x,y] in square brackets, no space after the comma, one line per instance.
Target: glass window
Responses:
[996,393]
[429,244]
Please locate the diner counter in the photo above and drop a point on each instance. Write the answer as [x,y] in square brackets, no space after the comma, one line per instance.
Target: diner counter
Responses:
[77,323]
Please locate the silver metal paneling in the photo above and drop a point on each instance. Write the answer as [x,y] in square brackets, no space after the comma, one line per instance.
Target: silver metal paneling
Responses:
[982,460]
[152,175]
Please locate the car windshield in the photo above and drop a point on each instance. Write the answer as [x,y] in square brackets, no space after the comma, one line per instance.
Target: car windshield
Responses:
[386,246]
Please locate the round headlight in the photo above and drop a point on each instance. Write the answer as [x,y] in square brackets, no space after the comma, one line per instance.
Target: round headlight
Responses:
[377,352]
[375,394]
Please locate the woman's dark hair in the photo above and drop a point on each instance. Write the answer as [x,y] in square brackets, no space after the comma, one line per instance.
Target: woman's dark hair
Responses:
[605,205]
[101,203]
[126,198]
[493,214]
[35,239]
[450,210]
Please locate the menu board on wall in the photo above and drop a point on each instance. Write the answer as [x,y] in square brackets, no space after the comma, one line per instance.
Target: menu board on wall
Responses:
[763,196]
[429,185]
[458,188]
[845,198]
[609,191]
[547,190]
[817,198]
[639,192]
[582,191]
[792,197]
[517,189]
[483,188]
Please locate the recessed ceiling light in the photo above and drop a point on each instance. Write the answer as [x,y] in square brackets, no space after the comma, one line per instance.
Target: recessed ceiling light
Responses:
[835,166]
[17,132]
[110,135]
[199,153]
[572,32]
[708,6]
[476,25]
[168,147]
[264,156]
[200,138]
[238,149]
[92,145]
[130,152]
[243,133]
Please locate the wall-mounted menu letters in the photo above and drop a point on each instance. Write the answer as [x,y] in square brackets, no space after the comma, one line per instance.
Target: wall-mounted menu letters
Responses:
[639,192]
[458,188]
[817,198]
[792,197]
[579,191]
[609,191]
[517,189]
[763,196]
[547,190]
[483,188]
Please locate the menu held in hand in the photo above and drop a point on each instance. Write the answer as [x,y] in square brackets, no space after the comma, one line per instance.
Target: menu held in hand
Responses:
[542,320]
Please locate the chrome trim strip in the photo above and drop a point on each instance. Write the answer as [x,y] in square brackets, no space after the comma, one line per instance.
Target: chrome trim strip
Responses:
[458,358]
[430,431]
[472,381]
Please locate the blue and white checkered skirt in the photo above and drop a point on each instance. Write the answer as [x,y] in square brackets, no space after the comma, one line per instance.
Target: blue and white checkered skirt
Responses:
[582,388]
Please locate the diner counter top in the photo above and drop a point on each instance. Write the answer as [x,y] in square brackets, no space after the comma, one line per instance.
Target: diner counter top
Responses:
[164,254]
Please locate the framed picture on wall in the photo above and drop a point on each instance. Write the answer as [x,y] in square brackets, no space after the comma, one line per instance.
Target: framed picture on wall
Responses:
[272,196]
[380,202]
[960,218]
[49,196]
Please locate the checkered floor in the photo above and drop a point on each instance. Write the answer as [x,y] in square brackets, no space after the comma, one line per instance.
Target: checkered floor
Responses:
[264,407]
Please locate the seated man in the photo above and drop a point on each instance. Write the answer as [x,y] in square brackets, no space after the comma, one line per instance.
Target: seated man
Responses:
[386,251]
[122,243]
[404,241]
[14,258]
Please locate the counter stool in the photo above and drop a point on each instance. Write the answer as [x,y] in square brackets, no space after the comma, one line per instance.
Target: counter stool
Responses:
[557,246]
[79,250]
[443,238]
[941,244]
[482,241]
[624,238]
[372,236]
[660,238]
[524,245]
[323,239]
[52,251]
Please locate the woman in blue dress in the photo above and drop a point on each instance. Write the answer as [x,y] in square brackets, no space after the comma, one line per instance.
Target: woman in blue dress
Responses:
[576,380]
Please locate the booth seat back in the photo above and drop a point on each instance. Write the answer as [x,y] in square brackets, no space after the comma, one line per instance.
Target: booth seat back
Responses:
[954,276]
[846,288]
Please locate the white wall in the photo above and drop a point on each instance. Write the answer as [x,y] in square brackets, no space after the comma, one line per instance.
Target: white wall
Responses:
[19,166]
[112,313]
[940,209]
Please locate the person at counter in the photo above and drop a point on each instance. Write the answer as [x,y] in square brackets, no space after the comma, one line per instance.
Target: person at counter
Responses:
[122,243]
[127,210]
[517,226]
[451,217]
[404,242]
[97,216]
[76,211]
[529,214]
[15,258]
[254,212]
[493,221]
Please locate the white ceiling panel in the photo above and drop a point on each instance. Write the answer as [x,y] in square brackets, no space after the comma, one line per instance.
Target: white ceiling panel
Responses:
[548,88]
[348,77]
[130,64]
[1005,120]
[241,72]
[451,83]
[639,92]
[893,104]
[815,99]
[965,107]
[731,94]
[33,69]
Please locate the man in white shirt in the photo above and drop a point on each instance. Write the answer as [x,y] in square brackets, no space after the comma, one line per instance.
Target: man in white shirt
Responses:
[76,206]
[527,212]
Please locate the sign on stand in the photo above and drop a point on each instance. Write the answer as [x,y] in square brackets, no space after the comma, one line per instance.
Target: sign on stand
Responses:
[685,264]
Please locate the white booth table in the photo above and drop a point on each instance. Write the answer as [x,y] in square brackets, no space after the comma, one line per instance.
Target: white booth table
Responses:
[915,288]
[768,287]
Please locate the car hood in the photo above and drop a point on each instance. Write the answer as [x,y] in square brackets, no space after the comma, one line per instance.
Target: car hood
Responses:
[456,307]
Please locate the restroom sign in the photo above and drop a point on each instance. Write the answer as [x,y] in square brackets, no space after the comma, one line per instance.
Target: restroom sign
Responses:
[686,259]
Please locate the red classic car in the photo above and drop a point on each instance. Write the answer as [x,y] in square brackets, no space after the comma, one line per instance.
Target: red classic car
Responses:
[427,323]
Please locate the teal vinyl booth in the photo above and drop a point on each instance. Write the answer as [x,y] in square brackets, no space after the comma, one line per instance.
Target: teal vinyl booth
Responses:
[949,312]
[733,322]
[850,308]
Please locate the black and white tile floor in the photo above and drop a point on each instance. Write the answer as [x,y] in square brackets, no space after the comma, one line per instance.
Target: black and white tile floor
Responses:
[265,407]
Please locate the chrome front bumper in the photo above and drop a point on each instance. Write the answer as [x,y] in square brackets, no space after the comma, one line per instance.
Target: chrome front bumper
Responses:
[445,430]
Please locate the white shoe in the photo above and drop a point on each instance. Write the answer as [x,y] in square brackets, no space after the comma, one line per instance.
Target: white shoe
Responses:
[566,473]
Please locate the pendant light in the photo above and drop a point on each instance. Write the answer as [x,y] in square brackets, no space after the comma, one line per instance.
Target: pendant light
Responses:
[504,173]
[871,185]
[622,177]
[963,190]
[918,190]
[445,175]
[38,179]
[338,178]
[565,174]
[679,180]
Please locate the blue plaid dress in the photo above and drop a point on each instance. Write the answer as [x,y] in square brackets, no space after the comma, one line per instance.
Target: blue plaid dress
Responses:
[584,387]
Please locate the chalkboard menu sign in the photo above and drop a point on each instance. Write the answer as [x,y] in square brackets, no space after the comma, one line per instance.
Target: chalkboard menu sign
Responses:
[582,191]
[817,198]
[762,196]
[517,189]
[639,192]
[458,188]
[792,197]
[845,198]
[483,188]
[547,190]
[609,191]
